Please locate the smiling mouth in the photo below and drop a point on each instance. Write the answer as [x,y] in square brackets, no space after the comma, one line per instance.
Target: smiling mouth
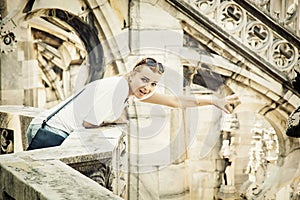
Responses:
[142,92]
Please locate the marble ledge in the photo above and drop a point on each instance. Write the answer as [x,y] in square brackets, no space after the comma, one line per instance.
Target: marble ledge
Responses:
[81,146]
[45,174]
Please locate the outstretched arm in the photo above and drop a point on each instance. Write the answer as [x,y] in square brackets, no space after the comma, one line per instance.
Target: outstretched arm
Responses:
[191,101]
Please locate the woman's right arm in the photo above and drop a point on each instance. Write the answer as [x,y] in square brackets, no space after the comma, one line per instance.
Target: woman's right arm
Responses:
[192,101]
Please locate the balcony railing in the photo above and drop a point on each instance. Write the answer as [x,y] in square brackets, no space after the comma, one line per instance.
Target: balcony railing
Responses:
[263,36]
[284,12]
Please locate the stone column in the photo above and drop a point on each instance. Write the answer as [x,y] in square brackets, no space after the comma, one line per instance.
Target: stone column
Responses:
[159,134]
[34,90]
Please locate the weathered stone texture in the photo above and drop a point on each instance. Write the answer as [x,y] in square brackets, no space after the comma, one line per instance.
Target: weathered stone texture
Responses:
[54,173]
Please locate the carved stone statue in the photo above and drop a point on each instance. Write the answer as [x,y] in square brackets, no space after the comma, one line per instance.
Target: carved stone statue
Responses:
[227,152]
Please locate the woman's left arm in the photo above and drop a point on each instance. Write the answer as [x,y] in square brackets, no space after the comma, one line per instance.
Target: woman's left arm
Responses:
[191,101]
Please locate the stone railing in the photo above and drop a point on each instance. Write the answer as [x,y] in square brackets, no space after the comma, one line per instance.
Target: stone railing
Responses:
[85,166]
[284,12]
[276,48]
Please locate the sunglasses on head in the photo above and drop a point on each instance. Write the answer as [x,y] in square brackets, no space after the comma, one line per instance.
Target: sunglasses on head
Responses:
[152,63]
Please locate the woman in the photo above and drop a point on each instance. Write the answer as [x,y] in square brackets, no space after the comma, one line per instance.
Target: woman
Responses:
[103,101]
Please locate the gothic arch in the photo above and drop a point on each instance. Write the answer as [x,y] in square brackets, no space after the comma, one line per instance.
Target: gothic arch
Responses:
[87,34]
[94,30]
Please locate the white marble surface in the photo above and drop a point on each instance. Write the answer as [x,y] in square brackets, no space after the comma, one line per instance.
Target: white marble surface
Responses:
[43,175]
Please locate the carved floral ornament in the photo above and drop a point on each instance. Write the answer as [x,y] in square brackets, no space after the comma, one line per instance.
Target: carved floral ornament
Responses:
[250,31]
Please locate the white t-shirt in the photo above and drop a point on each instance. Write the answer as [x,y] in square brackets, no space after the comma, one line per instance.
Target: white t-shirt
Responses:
[102,101]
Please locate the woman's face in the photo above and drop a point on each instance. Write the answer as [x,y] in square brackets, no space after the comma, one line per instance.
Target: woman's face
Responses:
[143,81]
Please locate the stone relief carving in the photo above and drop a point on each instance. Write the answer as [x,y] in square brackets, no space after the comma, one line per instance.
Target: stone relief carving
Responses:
[228,154]
[263,156]
[7,141]
[99,171]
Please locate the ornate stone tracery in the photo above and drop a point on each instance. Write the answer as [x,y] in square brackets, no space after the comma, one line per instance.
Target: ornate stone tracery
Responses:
[231,17]
[284,55]
[245,27]
[258,36]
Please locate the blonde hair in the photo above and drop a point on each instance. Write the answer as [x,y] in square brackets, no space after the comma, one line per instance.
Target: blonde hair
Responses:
[155,66]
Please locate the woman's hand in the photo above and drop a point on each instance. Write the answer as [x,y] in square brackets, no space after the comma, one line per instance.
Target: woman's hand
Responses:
[224,103]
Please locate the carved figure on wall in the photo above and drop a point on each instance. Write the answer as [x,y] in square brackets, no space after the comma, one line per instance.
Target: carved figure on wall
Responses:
[227,152]
[271,145]
[257,163]
[7,145]
[291,13]
[263,156]
[250,169]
